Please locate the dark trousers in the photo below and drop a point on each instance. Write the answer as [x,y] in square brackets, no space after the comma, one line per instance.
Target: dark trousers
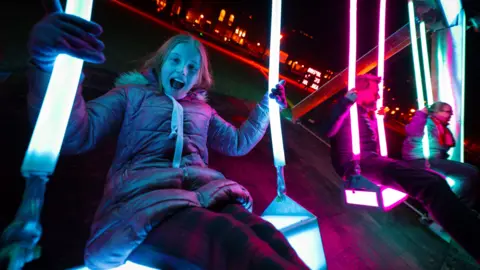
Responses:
[430,189]
[232,238]
[466,178]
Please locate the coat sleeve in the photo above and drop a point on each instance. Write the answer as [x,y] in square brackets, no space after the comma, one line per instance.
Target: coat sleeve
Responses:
[231,141]
[89,122]
[417,125]
[337,116]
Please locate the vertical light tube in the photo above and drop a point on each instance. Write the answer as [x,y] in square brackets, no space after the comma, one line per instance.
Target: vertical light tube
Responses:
[426,64]
[462,105]
[381,72]
[44,148]
[418,73]
[273,75]
[352,69]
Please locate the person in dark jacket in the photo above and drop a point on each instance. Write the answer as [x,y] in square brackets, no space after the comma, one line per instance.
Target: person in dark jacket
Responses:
[427,187]
[440,141]
[162,204]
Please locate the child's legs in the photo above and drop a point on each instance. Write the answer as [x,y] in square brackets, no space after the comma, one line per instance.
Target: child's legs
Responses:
[265,231]
[207,240]
[465,176]
[433,192]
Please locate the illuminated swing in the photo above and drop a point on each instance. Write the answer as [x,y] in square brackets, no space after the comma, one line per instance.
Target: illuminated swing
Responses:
[359,190]
[445,82]
[448,61]
[298,225]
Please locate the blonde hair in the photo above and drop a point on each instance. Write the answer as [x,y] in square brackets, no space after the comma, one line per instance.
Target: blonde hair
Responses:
[157,59]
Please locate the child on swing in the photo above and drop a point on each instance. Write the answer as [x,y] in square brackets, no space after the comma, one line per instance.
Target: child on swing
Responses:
[162,206]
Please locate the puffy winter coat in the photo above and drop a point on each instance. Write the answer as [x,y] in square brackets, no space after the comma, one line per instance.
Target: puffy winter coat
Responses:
[142,187]
[413,144]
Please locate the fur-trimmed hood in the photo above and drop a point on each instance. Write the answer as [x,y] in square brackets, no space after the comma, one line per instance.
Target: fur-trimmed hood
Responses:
[148,77]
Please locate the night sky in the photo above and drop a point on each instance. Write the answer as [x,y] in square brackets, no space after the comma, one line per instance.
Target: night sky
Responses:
[327,21]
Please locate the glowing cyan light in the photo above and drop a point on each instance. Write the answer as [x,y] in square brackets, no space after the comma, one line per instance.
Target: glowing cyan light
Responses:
[352,69]
[418,74]
[44,148]
[273,75]
[426,64]
[462,105]
[301,229]
[451,9]
[380,72]
[127,266]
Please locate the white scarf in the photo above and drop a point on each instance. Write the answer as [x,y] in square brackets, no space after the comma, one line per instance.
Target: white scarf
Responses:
[177,130]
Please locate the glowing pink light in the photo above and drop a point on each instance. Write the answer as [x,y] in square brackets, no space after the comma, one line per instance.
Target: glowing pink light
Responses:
[389,198]
[392,198]
[360,197]
[380,197]
[352,70]
[380,72]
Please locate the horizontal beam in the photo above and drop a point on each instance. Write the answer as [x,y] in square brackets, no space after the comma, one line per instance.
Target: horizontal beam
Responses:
[394,44]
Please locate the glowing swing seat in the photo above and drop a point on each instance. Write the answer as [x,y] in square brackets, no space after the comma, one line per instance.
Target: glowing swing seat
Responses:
[358,190]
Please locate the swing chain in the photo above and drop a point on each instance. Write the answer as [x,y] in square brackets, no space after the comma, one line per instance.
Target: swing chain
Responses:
[281,187]
[357,169]
[19,240]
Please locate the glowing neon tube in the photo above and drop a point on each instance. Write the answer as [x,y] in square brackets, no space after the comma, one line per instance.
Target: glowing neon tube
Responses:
[352,69]
[462,108]
[418,74]
[381,72]
[44,148]
[426,64]
[273,75]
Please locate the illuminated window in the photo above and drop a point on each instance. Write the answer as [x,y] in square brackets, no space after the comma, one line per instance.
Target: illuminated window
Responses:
[244,33]
[241,41]
[222,15]
[231,19]
[317,80]
[289,62]
[314,86]
[161,5]
[178,10]
[305,82]
[236,30]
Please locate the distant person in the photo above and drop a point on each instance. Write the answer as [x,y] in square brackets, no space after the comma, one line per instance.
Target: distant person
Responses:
[162,204]
[441,140]
[427,187]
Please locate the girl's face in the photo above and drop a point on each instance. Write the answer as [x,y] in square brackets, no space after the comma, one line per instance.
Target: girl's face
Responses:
[180,70]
